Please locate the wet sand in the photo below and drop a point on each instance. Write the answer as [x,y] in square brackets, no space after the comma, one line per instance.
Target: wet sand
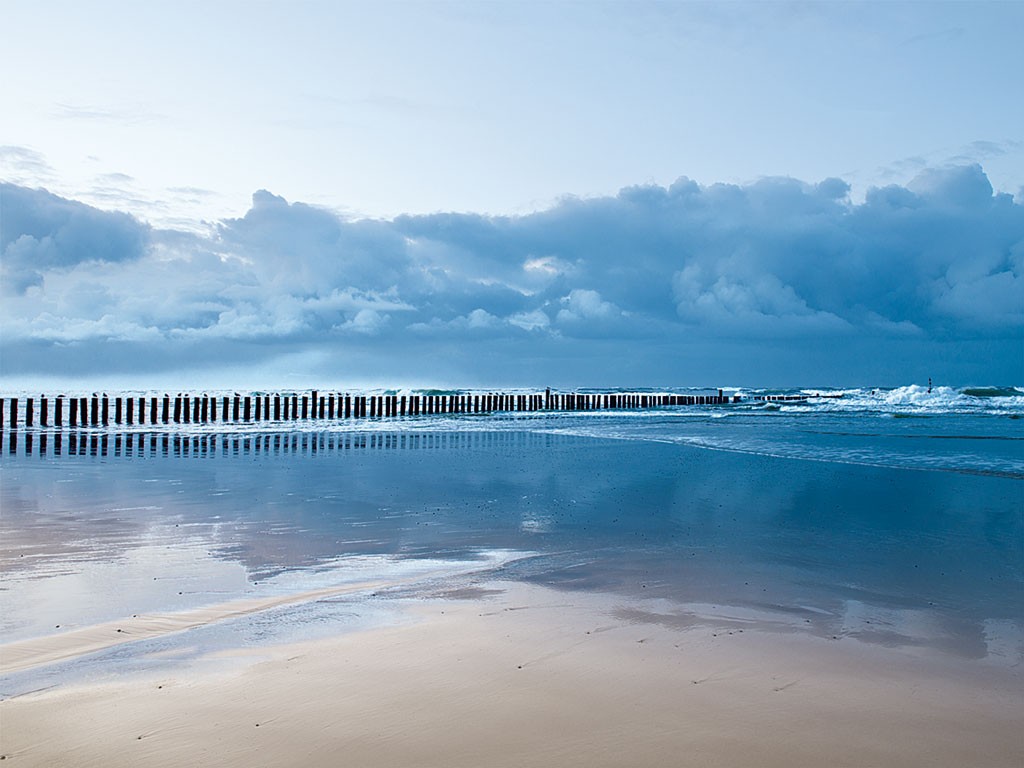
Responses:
[515,674]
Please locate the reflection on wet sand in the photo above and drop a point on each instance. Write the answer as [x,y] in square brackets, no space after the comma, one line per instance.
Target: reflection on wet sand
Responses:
[176,444]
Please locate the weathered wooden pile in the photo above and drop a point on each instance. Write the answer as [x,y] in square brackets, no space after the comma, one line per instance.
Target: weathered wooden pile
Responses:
[102,410]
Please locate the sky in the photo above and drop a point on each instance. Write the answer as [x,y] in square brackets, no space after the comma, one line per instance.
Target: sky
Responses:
[528,194]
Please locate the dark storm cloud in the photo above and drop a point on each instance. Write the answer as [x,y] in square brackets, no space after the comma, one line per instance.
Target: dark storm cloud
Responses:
[725,272]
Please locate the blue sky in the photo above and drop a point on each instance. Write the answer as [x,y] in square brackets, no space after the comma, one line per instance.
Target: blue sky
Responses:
[523,193]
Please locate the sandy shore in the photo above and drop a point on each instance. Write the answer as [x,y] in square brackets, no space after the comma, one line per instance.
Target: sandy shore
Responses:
[533,676]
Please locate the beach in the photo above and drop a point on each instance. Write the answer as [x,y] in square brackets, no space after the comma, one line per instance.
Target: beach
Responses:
[524,675]
[504,598]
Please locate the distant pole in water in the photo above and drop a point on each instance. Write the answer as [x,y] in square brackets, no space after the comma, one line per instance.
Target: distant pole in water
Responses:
[929,385]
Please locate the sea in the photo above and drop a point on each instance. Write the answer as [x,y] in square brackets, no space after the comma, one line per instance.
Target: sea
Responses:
[889,516]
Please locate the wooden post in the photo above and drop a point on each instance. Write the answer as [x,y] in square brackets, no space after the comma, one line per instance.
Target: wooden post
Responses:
[58,412]
[314,400]
[177,409]
[95,411]
[295,407]
[14,413]
[73,412]
[186,408]
[348,406]
[29,415]
[117,410]
[236,406]
[305,407]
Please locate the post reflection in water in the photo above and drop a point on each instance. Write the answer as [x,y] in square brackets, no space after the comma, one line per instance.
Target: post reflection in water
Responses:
[175,445]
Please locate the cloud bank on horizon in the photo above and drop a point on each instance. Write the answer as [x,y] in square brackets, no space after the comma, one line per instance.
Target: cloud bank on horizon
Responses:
[778,282]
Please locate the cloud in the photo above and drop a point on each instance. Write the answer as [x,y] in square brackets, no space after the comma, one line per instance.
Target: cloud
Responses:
[122,115]
[22,165]
[780,264]
[41,233]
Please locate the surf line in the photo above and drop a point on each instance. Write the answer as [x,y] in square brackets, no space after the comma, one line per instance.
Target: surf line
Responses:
[36,652]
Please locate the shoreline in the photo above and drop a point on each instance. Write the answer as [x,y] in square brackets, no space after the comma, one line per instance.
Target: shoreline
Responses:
[528,675]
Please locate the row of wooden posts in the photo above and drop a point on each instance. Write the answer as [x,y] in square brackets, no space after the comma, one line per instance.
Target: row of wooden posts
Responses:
[103,410]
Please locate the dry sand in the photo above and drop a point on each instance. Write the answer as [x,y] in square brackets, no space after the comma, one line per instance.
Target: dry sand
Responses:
[536,677]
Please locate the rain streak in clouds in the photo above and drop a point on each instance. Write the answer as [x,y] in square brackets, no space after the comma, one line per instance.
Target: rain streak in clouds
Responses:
[778,281]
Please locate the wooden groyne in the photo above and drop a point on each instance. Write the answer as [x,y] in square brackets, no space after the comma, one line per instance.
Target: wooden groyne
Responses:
[103,410]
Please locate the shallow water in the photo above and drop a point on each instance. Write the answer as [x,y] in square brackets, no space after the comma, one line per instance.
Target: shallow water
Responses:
[883,553]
